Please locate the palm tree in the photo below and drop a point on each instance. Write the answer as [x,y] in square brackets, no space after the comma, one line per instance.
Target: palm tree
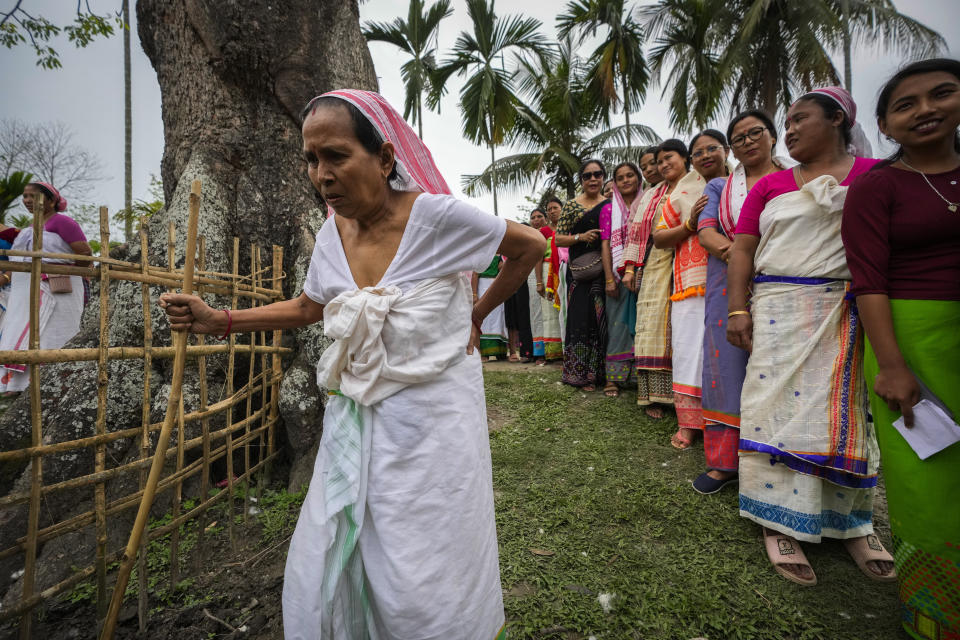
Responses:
[762,52]
[413,36]
[687,49]
[127,129]
[488,98]
[618,59]
[555,129]
[878,22]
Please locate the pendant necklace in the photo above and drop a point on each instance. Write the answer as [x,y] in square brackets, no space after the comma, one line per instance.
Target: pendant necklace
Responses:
[952,206]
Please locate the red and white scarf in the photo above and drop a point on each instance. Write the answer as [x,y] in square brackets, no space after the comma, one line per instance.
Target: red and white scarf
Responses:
[640,228]
[415,166]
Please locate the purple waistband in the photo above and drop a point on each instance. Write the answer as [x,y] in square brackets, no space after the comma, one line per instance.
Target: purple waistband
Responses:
[792,279]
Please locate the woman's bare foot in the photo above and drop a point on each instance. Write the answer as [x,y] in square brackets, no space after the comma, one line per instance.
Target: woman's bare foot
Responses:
[654,411]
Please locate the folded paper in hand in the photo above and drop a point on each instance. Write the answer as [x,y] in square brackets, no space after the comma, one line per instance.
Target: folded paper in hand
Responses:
[933,426]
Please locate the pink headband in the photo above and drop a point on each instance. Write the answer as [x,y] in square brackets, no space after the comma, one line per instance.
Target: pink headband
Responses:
[59,202]
[842,97]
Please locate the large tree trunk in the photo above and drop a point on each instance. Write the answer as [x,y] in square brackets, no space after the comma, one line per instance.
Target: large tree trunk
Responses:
[233,75]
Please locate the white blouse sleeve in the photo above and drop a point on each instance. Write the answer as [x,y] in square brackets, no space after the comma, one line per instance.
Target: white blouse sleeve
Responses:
[466,238]
[313,283]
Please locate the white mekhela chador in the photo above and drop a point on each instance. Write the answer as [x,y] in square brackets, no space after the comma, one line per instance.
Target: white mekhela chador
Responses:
[60,313]
[397,538]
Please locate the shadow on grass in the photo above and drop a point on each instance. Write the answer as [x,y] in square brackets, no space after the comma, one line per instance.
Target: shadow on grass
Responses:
[594,504]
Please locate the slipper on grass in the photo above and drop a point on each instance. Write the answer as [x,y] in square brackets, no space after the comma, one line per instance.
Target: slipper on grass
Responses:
[869,549]
[783,550]
[706,484]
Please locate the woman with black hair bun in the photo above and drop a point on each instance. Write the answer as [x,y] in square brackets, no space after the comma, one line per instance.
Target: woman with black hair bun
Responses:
[901,232]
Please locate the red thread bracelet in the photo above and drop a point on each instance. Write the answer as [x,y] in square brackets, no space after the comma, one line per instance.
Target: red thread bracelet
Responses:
[229,324]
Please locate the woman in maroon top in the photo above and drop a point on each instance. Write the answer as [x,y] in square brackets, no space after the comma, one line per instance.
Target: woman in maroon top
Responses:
[901,231]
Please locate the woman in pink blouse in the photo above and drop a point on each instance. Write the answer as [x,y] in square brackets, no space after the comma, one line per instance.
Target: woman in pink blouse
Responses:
[808,459]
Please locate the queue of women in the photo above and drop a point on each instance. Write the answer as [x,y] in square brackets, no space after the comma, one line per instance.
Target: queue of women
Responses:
[760,300]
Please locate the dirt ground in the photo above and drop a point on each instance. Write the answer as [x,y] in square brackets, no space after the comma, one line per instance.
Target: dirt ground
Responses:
[236,596]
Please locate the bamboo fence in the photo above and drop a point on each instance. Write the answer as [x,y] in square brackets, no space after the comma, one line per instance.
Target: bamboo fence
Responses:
[248,442]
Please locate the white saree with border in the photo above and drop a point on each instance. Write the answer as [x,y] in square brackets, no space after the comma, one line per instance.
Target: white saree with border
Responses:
[808,457]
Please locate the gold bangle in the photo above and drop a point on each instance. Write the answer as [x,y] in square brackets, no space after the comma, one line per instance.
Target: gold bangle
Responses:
[741,312]
[689,227]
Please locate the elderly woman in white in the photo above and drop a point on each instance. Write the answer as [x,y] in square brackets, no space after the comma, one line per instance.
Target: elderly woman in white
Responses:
[397,537]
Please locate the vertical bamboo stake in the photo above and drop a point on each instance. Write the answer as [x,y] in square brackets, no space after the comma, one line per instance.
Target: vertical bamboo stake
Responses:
[277,365]
[100,457]
[250,381]
[204,424]
[36,428]
[178,486]
[156,469]
[229,394]
[264,391]
[144,418]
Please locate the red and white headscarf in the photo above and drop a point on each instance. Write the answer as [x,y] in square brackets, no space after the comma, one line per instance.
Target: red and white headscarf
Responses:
[859,145]
[416,169]
[59,202]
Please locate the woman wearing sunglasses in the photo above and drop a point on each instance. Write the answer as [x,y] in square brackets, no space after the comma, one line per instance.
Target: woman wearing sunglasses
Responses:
[585,346]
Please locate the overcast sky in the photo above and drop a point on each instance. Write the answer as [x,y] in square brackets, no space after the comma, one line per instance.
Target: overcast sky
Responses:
[87,93]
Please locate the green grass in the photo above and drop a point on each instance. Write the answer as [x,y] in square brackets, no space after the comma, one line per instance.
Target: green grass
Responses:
[595,482]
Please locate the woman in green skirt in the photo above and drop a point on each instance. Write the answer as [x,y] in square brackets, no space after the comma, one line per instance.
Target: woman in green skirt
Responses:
[901,231]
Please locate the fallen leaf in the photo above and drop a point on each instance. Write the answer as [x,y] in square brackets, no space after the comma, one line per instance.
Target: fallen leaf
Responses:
[541,552]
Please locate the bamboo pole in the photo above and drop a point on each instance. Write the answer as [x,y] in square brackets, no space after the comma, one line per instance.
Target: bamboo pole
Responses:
[176,389]
[178,486]
[142,582]
[36,427]
[204,427]
[100,455]
[230,373]
[250,374]
[264,395]
[46,356]
[277,364]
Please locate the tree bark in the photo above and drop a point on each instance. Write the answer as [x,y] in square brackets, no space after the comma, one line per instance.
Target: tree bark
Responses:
[847,63]
[234,75]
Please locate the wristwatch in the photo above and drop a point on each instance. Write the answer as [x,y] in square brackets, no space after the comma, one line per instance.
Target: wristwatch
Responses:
[576,238]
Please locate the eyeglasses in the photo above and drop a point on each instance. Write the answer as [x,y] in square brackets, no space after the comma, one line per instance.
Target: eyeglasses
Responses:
[591,175]
[711,149]
[754,134]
